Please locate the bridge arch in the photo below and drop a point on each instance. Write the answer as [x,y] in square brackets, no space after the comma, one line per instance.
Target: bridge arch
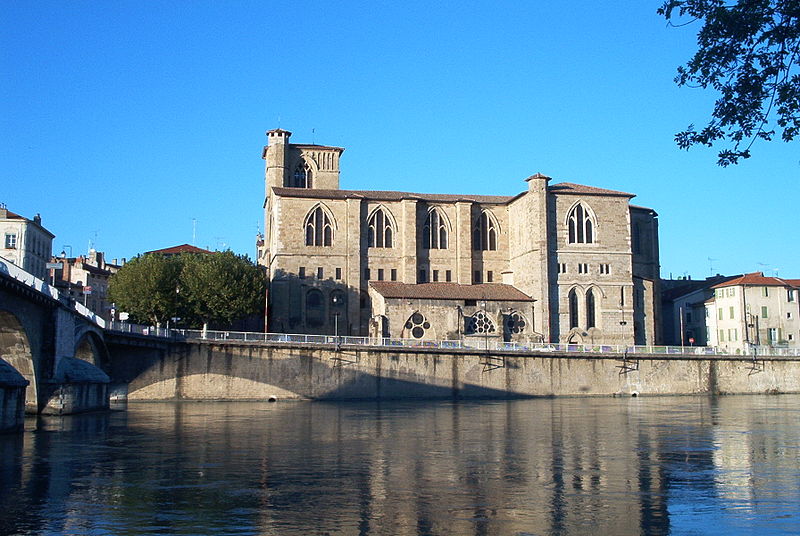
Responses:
[15,349]
[91,347]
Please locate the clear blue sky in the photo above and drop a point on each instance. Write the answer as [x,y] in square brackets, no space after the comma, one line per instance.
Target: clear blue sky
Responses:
[122,122]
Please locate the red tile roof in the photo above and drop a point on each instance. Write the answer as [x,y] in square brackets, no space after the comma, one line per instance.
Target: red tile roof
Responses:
[758,279]
[14,216]
[450,291]
[183,248]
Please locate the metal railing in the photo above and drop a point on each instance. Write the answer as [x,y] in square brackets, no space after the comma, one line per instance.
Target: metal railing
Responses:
[41,286]
[464,344]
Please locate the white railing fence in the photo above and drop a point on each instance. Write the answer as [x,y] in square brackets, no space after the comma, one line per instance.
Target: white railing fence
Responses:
[471,344]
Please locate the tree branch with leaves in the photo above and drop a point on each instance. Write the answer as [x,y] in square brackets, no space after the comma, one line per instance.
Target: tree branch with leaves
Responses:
[748,51]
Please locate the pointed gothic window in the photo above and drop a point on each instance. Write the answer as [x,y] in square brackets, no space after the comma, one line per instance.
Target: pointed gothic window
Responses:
[573,309]
[590,318]
[434,232]
[484,234]
[379,230]
[580,226]
[301,178]
[319,230]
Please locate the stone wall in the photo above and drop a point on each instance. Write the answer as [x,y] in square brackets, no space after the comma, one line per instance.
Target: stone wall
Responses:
[211,371]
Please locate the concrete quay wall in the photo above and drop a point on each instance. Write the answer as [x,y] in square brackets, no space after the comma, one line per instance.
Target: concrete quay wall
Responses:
[247,371]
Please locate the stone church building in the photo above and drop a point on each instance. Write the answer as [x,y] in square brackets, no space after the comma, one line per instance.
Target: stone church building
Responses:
[555,263]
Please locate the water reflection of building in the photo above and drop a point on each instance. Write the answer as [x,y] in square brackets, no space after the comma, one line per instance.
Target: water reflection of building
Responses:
[567,466]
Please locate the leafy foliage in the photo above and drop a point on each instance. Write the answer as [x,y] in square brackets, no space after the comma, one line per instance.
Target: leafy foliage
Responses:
[748,50]
[222,287]
[217,288]
[146,288]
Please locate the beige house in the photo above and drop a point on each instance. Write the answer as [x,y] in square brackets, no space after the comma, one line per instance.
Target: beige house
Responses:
[754,310]
[25,242]
[557,262]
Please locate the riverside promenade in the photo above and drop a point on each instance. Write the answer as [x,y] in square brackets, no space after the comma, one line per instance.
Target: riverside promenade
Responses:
[197,365]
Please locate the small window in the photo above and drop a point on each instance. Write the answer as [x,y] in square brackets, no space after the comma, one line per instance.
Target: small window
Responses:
[394,274]
[489,276]
[790,336]
[789,315]
[436,275]
[721,336]
[790,295]
[338,273]
[11,241]
[470,303]
[448,276]
[730,312]
[320,273]
[719,313]
[423,276]
[764,311]
[476,277]
[380,274]
[766,292]
[301,273]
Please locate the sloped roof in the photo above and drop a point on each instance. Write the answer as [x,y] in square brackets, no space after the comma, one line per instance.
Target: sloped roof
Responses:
[758,279]
[694,285]
[582,189]
[183,248]
[387,195]
[450,291]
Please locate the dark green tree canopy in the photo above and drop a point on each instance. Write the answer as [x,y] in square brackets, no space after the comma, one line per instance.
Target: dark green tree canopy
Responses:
[222,287]
[217,288]
[748,51]
[146,287]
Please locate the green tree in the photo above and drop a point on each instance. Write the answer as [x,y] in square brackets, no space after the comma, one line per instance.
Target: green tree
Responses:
[146,288]
[748,51]
[222,287]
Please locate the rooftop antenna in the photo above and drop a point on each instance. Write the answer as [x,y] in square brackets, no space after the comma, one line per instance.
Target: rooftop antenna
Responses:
[313,137]
[711,266]
[762,265]
[220,240]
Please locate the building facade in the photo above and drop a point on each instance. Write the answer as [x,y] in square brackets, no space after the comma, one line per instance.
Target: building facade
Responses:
[557,262]
[683,309]
[754,310]
[85,280]
[25,242]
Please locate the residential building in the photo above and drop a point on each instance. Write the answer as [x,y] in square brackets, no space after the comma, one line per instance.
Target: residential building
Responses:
[754,310]
[557,262]
[26,242]
[683,309]
[85,280]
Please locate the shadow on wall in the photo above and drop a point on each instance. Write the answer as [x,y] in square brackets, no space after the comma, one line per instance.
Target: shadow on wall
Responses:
[212,371]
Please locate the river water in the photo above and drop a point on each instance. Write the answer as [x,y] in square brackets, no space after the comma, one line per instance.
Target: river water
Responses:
[677,465]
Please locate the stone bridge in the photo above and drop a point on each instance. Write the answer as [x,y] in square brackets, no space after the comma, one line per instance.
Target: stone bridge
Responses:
[52,352]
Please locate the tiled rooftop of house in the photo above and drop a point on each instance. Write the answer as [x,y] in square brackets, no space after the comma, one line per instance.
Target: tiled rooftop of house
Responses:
[449,291]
